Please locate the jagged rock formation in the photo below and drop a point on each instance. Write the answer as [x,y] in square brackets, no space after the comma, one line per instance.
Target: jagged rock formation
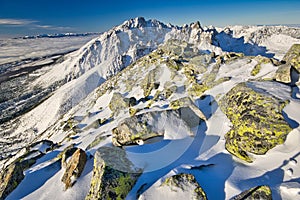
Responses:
[74,168]
[113,174]
[258,123]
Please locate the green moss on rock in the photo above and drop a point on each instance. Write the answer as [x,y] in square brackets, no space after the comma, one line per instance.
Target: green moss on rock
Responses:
[256,70]
[258,123]
[292,57]
[283,74]
[184,181]
[259,192]
[117,103]
[113,175]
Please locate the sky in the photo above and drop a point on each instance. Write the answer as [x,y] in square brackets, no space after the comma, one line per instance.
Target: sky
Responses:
[31,17]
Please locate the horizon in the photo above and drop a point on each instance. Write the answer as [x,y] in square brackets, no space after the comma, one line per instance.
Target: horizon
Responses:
[20,18]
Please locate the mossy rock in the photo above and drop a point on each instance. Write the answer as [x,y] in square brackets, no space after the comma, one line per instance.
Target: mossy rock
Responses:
[258,123]
[114,175]
[292,57]
[256,70]
[196,89]
[283,74]
[184,181]
[150,80]
[117,103]
[10,178]
[100,138]
[259,192]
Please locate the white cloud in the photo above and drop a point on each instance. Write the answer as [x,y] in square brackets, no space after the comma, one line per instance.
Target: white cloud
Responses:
[31,24]
[20,22]
[49,27]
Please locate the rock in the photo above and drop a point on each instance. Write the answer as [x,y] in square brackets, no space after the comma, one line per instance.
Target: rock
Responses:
[113,175]
[74,168]
[292,57]
[283,74]
[117,103]
[65,154]
[10,178]
[180,186]
[185,182]
[152,124]
[259,192]
[258,123]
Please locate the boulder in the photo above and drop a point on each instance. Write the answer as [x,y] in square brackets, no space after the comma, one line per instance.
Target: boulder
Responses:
[177,123]
[259,192]
[117,103]
[114,175]
[257,121]
[10,178]
[12,175]
[185,182]
[74,168]
[283,74]
[292,57]
[180,186]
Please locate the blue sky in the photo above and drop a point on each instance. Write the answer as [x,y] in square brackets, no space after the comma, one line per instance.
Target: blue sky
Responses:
[27,17]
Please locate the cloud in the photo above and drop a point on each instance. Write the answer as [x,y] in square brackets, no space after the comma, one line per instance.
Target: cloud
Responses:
[49,27]
[19,22]
[31,24]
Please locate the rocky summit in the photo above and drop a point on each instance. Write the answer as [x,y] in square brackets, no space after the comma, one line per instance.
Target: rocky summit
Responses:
[154,111]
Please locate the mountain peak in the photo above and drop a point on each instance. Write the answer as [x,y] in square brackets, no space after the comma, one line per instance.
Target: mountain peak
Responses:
[141,22]
[196,25]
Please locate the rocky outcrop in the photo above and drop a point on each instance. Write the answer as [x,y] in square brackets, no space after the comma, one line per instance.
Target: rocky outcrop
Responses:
[283,74]
[13,174]
[292,57]
[65,154]
[114,175]
[257,121]
[259,192]
[10,179]
[185,182]
[139,128]
[74,168]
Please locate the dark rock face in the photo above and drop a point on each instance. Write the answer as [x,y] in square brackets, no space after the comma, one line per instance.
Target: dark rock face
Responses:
[10,179]
[12,175]
[259,192]
[113,175]
[182,181]
[258,123]
[74,168]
